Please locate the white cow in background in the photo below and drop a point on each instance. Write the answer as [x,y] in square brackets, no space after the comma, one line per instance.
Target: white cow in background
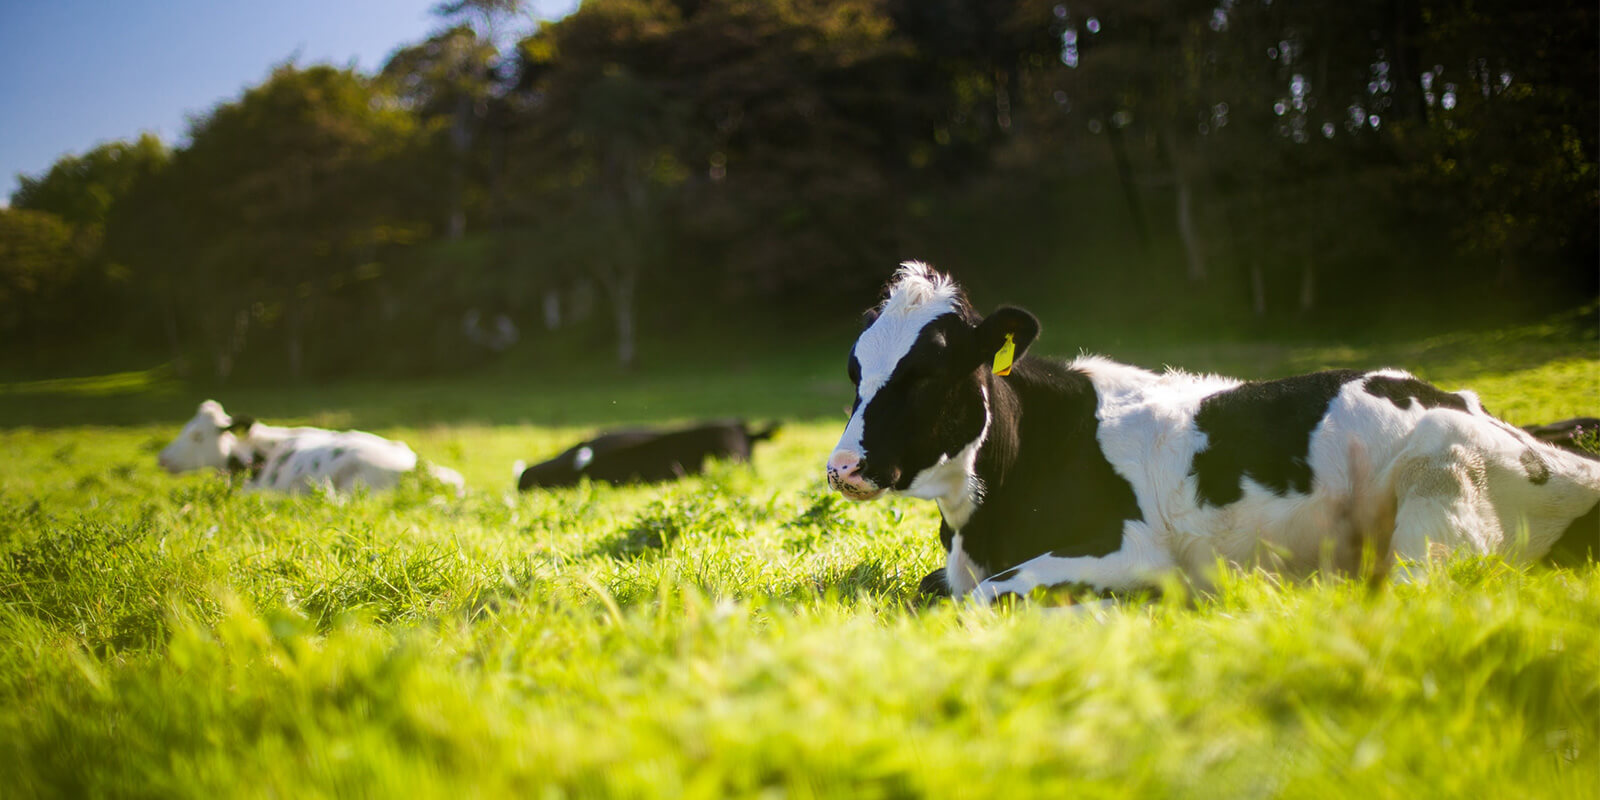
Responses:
[293,460]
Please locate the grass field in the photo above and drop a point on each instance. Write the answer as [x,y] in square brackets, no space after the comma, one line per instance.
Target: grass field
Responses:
[740,634]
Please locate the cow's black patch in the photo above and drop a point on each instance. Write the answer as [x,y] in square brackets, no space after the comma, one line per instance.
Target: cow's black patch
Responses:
[253,467]
[1538,470]
[1573,435]
[275,465]
[1049,487]
[934,584]
[1580,542]
[1262,430]
[1007,575]
[1401,391]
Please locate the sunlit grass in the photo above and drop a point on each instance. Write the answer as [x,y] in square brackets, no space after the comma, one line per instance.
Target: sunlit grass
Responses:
[739,634]
[155,379]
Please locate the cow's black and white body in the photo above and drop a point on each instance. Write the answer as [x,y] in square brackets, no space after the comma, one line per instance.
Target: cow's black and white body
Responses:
[292,460]
[1098,473]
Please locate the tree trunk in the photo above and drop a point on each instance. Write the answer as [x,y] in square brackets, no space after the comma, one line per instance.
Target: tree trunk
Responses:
[1002,101]
[1186,232]
[460,140]
[1405,61]
[1119,154]
[1258,290]
[1193,254]
[552,308]
[1308,285]
[292,326]
[624,308]
[620,284]
[180,366]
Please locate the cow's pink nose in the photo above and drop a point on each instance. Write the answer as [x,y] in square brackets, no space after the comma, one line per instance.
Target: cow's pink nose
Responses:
[843,464]
[844,475]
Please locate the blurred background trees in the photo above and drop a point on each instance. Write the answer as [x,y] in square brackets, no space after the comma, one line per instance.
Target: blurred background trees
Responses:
[646,166]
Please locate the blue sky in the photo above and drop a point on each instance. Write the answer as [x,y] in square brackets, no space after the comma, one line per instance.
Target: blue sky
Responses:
[75,73]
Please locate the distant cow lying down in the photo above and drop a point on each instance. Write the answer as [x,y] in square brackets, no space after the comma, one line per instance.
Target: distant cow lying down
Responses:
[292,460]
[644,455]
[1568,434]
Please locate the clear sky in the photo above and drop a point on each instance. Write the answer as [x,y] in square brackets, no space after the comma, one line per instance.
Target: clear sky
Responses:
[75,73]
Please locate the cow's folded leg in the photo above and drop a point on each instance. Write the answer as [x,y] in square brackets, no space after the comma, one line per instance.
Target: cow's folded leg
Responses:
[935,584]
[1125,569]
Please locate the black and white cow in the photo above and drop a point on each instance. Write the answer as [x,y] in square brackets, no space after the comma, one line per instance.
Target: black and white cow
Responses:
[1101,474]
[293,460]
[644,455]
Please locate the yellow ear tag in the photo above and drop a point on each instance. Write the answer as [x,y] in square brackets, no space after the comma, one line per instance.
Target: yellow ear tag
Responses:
[1002,359]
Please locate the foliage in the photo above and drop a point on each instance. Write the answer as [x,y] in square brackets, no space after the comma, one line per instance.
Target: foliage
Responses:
[276,212]
[40,255]
[1270,166]
[51,258]
[83,189]
[741,633]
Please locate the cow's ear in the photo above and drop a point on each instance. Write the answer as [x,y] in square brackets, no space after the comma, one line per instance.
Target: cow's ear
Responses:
[241,424]
[1008,326]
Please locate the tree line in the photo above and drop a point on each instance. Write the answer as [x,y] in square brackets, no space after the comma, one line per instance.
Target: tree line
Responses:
[505,176]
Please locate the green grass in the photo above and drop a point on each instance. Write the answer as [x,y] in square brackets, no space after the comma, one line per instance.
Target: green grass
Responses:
[744,633]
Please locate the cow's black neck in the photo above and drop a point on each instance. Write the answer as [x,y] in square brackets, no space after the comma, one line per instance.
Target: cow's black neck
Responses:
[1047,485]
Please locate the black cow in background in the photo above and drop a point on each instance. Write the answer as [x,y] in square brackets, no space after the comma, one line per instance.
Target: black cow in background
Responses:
[643,455]
[1567,434]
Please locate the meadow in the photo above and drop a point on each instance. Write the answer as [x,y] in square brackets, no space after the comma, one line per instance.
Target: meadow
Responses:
[741,634]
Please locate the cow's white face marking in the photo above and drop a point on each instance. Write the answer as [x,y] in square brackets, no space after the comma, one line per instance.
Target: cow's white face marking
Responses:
[203,443]
[918,296]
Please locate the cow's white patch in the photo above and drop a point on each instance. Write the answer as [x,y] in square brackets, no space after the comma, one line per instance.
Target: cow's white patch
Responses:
[961,573]
[1139,562]
[917,296]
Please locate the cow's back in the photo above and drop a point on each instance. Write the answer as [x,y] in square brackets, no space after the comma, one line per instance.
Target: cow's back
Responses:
[341,460]
[1301,469]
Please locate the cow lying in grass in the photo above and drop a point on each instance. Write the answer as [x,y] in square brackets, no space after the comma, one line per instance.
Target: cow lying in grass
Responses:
[293,460]
[644,455]
[1581,435]
[1101,474]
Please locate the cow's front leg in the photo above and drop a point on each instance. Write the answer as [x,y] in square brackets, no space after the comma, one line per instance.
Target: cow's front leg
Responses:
[1138,564]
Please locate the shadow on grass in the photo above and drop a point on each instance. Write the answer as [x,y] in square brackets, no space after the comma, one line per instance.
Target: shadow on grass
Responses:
[782,389]
[804,381]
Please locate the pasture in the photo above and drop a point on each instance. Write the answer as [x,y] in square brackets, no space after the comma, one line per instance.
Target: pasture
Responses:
[744,633]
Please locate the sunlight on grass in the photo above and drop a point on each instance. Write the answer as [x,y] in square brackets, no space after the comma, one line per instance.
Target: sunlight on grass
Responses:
[156,379]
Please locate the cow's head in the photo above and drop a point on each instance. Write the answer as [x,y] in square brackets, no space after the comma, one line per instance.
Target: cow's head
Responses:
[921,370]
[208,440]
